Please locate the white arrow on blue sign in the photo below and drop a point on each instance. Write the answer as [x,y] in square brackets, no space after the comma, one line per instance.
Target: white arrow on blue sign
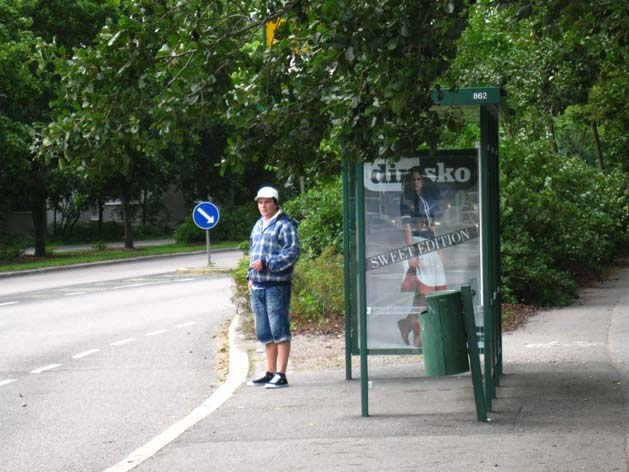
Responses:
[205,215]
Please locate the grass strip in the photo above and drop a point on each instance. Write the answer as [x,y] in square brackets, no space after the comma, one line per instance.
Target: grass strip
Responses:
[86,256]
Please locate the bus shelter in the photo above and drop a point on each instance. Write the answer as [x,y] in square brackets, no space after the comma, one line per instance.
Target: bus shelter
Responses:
[456,240]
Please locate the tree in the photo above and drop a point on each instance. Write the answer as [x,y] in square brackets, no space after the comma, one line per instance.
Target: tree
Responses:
[589,63]
[340,83]
[342,80]
[19,92]
[146,83]
[560,215]
[25,94]
[198,174]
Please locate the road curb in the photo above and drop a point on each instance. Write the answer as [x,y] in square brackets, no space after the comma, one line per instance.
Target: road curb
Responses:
[203,270]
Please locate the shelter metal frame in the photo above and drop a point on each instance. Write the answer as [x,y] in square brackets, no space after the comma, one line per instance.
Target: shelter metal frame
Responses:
[484,104]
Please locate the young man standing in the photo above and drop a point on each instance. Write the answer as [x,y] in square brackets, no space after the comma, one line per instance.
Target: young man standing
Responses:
[274,250]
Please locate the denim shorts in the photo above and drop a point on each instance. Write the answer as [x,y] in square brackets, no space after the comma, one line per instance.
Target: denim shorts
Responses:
[270,312]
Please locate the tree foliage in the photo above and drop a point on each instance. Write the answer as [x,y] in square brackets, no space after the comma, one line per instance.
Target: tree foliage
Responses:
[560,64]
[551,58]
[149,92]
[149,88]
[343,80]
[25,94]
[560,218]
[320,215]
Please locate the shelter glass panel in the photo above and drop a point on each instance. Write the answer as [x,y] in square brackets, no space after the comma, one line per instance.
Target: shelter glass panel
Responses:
[422,234]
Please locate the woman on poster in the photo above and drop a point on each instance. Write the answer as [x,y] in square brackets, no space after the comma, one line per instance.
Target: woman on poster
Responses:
[423,274]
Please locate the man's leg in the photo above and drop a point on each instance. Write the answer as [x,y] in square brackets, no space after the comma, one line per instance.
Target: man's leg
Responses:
[283,351]
[271,357]
[277,356]
[263,333]
[277,352]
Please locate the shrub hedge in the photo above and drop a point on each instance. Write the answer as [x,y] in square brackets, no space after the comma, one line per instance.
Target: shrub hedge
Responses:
[234,224]
[561,219]
[320,215]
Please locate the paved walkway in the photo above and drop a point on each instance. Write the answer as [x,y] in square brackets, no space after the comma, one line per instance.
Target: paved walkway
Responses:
[561,406]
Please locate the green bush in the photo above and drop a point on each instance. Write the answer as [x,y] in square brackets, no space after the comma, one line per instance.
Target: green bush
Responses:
[87,233]
[147,231]
[12,246]
[235,224]
[99,245]
[9,253]
[320,213]
[561,219]
[318,285]
[112,231]
[317,300]
[187,232]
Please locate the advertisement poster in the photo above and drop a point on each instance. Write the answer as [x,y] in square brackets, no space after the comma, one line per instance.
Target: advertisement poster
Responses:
[422,234]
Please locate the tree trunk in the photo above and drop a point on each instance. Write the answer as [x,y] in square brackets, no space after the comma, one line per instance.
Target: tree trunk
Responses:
[599,150]
[75,220]
[38,213]
[302,185]
[126,215]
[101,205]
[38,200]
[144,207]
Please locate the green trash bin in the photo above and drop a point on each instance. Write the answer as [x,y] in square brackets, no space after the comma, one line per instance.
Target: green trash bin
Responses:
[443,334]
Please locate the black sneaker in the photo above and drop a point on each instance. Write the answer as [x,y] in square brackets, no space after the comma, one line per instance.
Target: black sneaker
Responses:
[278,381]
[260,381]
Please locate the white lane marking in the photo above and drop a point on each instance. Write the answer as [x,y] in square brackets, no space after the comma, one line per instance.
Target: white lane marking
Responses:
[183,325]
[134,285]
[553,344]
[542,345]
[45,368]
[83,354]
[156,332]
[238,368]
[7,382]
[184,280]
[8,303]
[123,341]
[74,293]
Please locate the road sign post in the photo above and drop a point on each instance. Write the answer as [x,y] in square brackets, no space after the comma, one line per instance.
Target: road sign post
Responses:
[207,244]
[206,215]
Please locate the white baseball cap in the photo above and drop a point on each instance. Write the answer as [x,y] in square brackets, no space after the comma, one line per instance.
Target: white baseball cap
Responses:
[268,192]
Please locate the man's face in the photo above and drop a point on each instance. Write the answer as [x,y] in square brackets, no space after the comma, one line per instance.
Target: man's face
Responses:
[267,207]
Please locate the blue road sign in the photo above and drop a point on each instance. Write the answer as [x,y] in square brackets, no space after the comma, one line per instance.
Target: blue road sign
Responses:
[205,215]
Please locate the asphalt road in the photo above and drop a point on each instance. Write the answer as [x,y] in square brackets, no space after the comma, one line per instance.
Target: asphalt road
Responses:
[95,362]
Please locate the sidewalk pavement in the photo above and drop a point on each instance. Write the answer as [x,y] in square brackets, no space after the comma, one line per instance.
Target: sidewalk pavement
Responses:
[561,406]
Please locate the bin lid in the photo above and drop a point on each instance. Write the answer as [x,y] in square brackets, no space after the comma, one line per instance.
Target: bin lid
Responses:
[439,293]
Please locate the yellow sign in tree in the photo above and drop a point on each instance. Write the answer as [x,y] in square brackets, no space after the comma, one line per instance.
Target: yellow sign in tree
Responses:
[269,30]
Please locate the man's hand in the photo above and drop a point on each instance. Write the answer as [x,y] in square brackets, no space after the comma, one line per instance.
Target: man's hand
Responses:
[257,265]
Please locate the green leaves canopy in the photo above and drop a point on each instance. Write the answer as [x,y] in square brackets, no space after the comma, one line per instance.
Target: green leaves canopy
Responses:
[344,79]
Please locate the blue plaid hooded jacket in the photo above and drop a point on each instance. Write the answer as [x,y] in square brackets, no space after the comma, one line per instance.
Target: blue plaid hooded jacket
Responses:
[277,246]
